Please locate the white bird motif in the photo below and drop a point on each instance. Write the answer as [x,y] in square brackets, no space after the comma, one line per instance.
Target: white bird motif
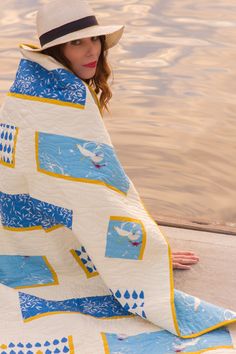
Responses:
[86,153]
[229,315]
[186,344]
[132,236]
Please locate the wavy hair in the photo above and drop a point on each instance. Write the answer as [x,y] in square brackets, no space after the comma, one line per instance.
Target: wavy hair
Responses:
[99,82]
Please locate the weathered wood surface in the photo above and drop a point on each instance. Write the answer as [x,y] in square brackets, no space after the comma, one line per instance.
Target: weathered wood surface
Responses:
[196,224]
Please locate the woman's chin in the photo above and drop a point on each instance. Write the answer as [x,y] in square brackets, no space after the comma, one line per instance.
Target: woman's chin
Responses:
[86,76]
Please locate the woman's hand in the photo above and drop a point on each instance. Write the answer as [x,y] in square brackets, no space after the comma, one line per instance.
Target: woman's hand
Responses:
[183,259]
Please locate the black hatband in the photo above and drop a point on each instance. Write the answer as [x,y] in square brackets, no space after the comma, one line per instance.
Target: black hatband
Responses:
[68,28]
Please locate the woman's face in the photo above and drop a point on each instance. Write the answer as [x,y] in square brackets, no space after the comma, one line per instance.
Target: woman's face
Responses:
[82,52]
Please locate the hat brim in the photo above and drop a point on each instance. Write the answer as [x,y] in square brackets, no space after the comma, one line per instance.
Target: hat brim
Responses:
[112,33]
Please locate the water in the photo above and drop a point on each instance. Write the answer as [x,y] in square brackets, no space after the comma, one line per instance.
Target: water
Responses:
[173,118]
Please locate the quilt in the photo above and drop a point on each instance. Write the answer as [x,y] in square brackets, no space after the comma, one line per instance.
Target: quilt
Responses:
[83,266]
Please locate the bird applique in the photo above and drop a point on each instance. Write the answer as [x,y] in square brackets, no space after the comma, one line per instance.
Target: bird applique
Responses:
[133,236]
[180,347]
[93,156]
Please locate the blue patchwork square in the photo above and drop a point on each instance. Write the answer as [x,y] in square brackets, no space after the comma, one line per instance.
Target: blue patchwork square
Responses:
[8,136]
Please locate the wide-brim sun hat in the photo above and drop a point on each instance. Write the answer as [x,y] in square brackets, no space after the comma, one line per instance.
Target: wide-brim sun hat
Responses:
[61,21]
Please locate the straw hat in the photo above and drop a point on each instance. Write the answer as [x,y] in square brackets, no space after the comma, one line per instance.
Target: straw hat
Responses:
[61,21]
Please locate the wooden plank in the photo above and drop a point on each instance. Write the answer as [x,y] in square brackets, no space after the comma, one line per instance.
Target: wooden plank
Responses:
[196,224]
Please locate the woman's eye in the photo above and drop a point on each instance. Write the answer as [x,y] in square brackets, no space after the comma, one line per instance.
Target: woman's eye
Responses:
[78,41]
[75,42]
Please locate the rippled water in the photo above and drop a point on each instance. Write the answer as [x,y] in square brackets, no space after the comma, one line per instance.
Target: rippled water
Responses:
[173,110]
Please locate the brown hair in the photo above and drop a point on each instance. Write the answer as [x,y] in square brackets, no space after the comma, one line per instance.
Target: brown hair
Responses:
[103,71]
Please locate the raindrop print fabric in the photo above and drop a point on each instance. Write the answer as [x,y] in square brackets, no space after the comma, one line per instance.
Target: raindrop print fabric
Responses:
[83,266]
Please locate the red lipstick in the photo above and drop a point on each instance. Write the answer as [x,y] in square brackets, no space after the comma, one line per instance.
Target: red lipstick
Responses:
[91,65]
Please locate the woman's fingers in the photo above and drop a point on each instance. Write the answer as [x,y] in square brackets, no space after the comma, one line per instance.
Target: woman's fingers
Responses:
[183,254]
[187,253]
[180,266]
[185,260]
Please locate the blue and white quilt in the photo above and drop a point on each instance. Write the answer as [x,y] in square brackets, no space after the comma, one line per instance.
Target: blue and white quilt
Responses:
[83,266]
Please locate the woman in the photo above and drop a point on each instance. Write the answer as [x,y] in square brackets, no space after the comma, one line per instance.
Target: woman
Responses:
[72,220]
[87,59]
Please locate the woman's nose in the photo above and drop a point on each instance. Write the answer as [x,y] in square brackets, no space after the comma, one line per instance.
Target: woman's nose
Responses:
[91,48]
